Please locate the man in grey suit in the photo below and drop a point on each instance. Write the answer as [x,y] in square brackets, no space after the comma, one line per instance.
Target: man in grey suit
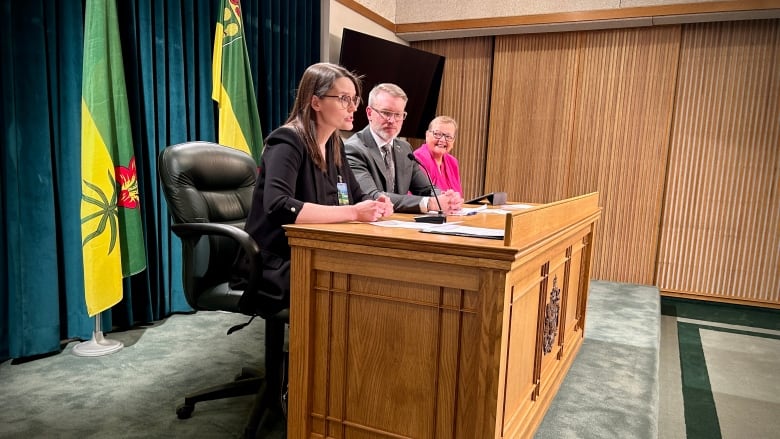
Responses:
[380,161]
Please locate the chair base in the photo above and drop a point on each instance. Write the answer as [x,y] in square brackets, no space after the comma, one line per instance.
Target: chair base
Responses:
[266,423]
[269,409]
[248,382]
[266,417]
[266,414]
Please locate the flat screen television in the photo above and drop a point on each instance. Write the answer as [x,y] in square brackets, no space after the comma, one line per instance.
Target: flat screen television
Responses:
[416,71]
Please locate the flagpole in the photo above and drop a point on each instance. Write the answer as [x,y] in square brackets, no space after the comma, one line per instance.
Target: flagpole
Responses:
[111,224]
[98,345]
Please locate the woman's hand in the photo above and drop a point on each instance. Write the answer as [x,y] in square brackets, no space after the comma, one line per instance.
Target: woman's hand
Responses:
[372,210]
[387,205]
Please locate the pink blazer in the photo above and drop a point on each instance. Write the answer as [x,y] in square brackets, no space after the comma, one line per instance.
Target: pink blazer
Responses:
[448,177]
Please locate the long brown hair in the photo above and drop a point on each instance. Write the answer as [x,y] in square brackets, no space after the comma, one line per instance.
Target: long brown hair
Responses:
[316,81]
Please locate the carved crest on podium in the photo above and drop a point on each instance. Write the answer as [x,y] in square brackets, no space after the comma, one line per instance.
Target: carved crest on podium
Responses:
[551,317]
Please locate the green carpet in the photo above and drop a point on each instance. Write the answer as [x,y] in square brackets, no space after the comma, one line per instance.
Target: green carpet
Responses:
[729,370]
[611,390]
[133,393]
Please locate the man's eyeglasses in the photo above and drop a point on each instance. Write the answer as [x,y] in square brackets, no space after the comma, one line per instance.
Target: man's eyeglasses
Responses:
[346,100]
[389,115]
[438,135]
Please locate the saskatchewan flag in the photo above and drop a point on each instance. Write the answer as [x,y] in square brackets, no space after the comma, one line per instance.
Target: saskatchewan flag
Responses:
[239,121]
[111,233]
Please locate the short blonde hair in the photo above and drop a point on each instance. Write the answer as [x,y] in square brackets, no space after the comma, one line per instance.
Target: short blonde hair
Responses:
[441,120]
[389,88]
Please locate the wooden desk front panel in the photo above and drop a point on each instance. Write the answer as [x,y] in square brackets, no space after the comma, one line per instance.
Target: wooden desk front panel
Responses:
[547,288]
[385,343]
[432,336]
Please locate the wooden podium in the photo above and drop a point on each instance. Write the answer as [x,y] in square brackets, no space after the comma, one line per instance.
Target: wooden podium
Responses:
[400,334]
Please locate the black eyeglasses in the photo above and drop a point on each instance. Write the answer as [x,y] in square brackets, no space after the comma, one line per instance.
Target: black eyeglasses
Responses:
[388,115]
[439,135]
[346,100]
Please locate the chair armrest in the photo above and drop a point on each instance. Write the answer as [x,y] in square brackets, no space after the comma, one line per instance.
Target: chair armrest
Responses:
[196,230]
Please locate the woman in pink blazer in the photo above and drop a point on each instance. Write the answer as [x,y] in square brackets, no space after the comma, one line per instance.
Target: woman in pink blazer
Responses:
[435,155]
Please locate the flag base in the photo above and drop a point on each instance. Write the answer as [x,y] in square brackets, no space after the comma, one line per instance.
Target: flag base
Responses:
[97,347]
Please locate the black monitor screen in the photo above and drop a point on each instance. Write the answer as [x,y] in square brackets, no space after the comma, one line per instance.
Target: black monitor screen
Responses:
[416,71]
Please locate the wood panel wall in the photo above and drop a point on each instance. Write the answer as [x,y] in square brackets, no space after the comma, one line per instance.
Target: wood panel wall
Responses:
[678,129]
[625,92]
[591,113]
[720,232]
[465,96]
[534,82]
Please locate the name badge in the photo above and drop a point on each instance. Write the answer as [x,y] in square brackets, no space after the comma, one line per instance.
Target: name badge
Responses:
[341,187]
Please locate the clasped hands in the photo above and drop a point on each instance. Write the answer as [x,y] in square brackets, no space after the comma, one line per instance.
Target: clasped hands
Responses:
[451,202]
[372,210]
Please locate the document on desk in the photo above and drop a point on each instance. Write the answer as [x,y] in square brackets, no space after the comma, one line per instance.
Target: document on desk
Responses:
[508,208]
[458,230]
[401,224]
[468,211]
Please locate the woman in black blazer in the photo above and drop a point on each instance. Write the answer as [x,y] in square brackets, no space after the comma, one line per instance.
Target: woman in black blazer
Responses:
[304,174]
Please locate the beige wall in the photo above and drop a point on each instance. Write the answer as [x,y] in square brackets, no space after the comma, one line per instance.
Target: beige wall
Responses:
[415,20]
[339,17]
[421,11]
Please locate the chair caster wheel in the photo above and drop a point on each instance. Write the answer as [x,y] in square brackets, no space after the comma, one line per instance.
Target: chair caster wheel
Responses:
[184,411]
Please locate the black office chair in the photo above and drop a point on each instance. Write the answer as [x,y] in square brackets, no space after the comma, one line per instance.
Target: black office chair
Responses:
[208,188]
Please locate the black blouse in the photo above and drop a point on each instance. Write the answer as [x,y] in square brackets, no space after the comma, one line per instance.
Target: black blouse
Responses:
[289,178]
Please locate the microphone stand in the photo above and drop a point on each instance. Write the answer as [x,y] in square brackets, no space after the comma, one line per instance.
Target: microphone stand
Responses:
[438,217]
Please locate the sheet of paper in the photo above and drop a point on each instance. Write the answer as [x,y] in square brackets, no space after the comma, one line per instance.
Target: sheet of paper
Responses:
[458,230]
[402,224]
[508,208]
[466,211]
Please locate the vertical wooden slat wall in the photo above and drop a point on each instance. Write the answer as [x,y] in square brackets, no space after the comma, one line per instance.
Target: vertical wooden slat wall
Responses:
[625,92]
[677,127]
[465,96]
[720,234]
[574,113]
[532,108]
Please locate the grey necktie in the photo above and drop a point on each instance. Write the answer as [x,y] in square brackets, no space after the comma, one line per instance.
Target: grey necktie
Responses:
[389,167]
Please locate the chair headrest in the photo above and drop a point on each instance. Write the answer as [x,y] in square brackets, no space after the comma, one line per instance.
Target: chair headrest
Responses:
[207,182]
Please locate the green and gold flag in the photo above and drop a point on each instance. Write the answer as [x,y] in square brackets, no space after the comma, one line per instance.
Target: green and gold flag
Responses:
[239,121]
[111,233]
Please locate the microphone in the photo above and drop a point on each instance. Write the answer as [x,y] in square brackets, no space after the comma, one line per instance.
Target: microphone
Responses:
[439,217]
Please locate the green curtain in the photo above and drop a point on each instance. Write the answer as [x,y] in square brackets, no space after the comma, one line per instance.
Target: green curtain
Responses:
[283,38]
[167,49]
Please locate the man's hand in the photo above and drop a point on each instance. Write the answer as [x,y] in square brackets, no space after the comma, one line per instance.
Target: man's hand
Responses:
[451,202]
